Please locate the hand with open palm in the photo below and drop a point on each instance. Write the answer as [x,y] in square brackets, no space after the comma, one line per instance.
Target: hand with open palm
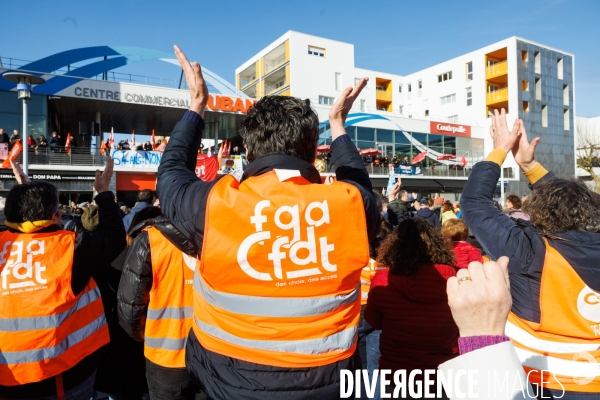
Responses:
[524,151]
[340,109]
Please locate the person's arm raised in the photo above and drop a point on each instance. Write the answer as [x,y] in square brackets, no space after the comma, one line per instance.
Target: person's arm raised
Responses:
[348,163]
[195,81]
[182,195]
[340,109]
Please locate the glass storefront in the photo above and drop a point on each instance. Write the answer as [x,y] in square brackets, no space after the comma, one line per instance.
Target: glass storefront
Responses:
[400,144]
[11,114]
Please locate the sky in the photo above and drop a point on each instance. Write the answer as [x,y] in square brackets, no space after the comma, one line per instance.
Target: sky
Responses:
[398,37]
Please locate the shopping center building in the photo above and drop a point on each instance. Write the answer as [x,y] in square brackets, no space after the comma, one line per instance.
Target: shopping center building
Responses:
[85,96]
[442,109]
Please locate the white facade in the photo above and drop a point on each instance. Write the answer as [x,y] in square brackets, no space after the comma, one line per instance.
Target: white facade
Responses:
[524,77]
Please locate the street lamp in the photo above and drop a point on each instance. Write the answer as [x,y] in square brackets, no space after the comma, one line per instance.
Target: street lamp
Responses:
[24,82]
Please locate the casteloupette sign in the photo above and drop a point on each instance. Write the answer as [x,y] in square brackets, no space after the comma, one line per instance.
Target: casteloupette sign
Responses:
[430,383]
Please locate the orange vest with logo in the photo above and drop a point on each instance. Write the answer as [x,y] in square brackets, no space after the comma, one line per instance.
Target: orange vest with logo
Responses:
[169,316]
[44,328]
[279,276]
[562,350]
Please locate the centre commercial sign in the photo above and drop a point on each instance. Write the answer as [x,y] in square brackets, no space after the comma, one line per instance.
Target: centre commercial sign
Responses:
[445,128]
[215,102]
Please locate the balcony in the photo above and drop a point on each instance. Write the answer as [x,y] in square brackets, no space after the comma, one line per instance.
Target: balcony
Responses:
[498,96]
[80,156]
[383,95]
[496,70]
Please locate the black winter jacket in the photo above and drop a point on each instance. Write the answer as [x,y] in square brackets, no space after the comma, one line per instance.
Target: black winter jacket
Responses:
[519,240]
[184,198]
[93,251]
[397,212]
[133,295]
[429,216]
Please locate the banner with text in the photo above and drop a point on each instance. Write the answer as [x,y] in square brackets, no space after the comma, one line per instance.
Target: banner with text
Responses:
[136,159]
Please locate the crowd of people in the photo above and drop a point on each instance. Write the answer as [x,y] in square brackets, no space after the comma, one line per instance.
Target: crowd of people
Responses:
[270,287]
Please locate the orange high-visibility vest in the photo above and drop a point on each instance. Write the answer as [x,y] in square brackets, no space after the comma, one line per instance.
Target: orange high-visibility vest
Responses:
[169,317]
[565,343]
[44,328]
[279,276]
[366,277]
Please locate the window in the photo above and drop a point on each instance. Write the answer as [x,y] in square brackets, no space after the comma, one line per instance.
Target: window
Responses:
[401,109]
[453,119]
[445,76]
[544,116]
[409,90]
[427,113]
[526,106]
[538,62]
[567,122]
[420,87]
[338,81]
[326,100]
[380,88]
[538,88]
[524,55]
[362,105]
[399,88]
[566,95]
[559,67]
[525,85]
[469,97]
[316,51]
[469,71]
[451,98]
[365,133]
[493,88]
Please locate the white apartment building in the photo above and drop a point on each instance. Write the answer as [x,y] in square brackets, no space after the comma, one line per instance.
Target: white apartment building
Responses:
[442,109]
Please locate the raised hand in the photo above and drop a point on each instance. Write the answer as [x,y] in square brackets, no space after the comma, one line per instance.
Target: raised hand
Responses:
[524,151]
[340,109]
[195,82]
[393,195]
[18,172]
[102,179]
[479,298]
[503,137]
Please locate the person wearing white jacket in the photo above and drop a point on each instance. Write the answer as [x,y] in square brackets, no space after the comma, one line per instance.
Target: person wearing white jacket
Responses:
[488,367]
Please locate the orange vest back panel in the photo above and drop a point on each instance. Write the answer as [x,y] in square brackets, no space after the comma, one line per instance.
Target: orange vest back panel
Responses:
[566,342]
[279,278]
[169,317]
[44,328]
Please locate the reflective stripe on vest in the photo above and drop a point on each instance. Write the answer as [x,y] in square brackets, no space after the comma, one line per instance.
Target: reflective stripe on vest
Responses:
[340,341]
[272,306]
[563,349]
[44,328]
[293,252]
[170,311]
[30,356]
[51,321]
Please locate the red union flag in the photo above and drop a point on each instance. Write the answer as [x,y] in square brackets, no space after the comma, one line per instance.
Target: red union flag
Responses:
[445,128]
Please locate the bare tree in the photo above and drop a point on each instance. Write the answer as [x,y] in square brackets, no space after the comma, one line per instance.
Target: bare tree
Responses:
[588,149]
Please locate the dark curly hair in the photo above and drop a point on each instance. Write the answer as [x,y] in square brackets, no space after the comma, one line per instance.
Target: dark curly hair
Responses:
[33,201]
[563,205]
[281,124]
[414,243]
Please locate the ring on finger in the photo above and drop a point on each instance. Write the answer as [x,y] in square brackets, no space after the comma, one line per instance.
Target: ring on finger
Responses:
[464,278]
